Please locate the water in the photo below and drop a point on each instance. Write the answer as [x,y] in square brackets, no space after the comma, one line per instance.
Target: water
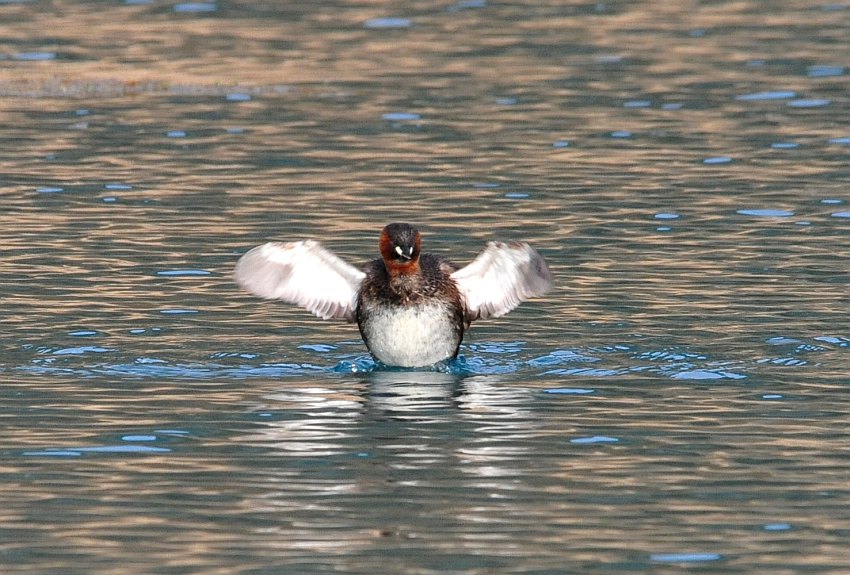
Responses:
[678,403]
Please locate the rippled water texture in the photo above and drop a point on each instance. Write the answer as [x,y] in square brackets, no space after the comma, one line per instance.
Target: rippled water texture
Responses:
[678,403]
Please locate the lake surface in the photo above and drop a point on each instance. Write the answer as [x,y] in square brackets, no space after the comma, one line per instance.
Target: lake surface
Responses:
[680,401]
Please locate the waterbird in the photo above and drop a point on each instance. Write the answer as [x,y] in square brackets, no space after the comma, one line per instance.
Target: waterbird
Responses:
[412,308]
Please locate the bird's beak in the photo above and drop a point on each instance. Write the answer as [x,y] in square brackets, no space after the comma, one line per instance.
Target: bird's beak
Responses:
[400,251]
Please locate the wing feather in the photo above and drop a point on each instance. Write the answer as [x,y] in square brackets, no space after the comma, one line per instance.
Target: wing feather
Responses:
[302,273]
[500,278]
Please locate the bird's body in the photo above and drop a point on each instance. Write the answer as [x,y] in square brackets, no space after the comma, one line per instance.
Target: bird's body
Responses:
[411,319]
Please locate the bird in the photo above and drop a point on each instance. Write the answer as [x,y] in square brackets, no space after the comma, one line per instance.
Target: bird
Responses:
[412,308]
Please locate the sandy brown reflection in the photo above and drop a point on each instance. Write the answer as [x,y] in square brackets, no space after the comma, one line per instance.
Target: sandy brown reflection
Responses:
[682,166]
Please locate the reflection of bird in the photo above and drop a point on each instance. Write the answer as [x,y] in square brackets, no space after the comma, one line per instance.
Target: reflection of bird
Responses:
[412,308]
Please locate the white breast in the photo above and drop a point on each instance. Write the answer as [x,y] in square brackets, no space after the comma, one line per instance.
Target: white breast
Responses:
[411,336]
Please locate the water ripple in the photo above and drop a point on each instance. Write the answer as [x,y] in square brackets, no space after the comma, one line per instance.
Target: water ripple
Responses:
[483,358]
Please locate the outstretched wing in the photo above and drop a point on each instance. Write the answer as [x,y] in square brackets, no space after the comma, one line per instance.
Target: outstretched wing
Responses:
[302,273]
[500,278]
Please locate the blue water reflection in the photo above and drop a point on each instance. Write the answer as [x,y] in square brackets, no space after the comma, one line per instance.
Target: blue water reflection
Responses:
[195,7]
[766,212]
[78,451]
[685,557]
[769,95]
[824,70]
[387,23]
